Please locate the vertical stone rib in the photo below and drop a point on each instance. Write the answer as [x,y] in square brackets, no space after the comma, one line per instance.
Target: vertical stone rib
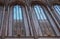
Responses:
[29,24]
[33,28]
[55,22]
[4,23]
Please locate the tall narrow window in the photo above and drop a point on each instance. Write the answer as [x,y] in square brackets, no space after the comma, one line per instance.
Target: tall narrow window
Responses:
[57,14]
[18,25]
[43,21]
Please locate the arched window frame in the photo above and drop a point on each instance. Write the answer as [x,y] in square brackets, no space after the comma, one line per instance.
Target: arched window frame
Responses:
[47,19]
[25,19]
[11,20]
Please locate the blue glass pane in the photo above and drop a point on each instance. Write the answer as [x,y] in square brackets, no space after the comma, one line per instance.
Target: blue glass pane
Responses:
[39,12]
[44,17]
[36,12]
[17,12]
[57,8]
[20,12]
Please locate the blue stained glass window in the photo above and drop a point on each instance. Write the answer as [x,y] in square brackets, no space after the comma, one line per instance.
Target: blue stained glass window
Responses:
[57,8]
[17,12]
[39,12]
